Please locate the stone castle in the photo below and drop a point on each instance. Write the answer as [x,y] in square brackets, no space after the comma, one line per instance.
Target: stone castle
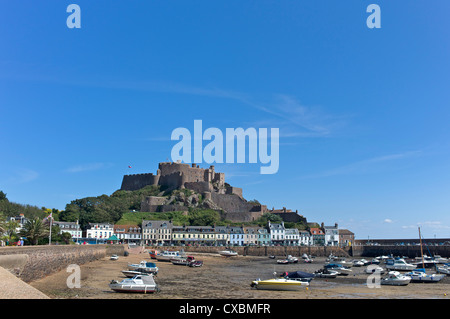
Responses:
[216,194]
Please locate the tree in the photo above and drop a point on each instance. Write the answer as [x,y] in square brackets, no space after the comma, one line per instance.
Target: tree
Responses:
[203,217]
[2,196]
[10,229]
[33,230]
[266,217]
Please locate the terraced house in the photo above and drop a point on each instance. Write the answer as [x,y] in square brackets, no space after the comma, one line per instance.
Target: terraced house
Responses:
[163,232]
[194,235]
[157,232]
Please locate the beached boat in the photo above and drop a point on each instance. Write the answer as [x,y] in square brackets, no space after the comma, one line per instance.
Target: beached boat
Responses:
[399,264]
[358,263]
[132,273]
[325,273]
[395,278]
[143,283]
[196,263]
[228,253]
[288,260]
[298,275]
[375,261]
[114,257]
[440,260]
[339,260]
[186,261]
[419,275]
[145,267]
[153,253]
[168,255]
[371,269]
[308,260]
[279,284]
[444,269]
[425,262]
[340,269]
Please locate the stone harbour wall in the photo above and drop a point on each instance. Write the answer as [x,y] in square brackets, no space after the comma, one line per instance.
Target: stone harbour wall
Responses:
[41,261]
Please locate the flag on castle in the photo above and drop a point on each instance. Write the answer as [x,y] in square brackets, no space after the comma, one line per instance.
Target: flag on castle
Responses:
[129,166]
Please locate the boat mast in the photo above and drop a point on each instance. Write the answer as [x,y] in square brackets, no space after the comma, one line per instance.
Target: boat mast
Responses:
[421,249]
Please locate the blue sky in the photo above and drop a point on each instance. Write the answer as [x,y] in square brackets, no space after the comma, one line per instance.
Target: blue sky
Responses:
[363,113]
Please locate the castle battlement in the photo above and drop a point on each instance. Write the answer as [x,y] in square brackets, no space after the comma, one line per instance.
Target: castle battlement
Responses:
[174,175]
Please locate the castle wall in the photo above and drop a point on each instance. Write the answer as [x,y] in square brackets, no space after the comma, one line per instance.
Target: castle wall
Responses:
[234,190]
[138,181]
[231,203]
[151,203]
[199,187]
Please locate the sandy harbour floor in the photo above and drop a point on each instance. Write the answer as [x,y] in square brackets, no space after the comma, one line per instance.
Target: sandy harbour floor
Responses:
[229,278]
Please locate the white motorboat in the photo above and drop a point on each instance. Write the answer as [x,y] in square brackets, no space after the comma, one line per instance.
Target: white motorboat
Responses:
[279,284]
[326,273]
[365,262]
[371,269]
[399,265]
[339,260]
[444,269]
[308,260]
[340,269]
[143,283]
[289,260]
[144,267]
[440,260]
[395,278]
[228,253]
[425,262]
[168,255]
[187,261]
[375,261]
[420,275]
[358,263]
[114,257]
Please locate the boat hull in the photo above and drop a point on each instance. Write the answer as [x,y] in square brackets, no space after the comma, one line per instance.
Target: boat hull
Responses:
[134,288]
[287,285]
[397,282]
[227,253]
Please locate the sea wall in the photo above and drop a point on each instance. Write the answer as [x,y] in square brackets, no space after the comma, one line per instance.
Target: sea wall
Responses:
[410,251]
[318,251]
[34,262]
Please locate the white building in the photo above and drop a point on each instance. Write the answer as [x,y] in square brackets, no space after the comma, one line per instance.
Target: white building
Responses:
[291,236]
[331,235]
[73,228]
[100,230]
[305,238]
[277,233]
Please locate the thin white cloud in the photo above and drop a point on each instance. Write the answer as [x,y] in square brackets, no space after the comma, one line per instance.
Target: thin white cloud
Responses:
[88,167]
[388,221]
[365,165]
[24,176]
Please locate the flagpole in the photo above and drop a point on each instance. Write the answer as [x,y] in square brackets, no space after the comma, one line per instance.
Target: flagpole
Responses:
[50,236]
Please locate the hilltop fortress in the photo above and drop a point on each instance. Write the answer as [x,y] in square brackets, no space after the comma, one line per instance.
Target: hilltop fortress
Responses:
[215,193]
